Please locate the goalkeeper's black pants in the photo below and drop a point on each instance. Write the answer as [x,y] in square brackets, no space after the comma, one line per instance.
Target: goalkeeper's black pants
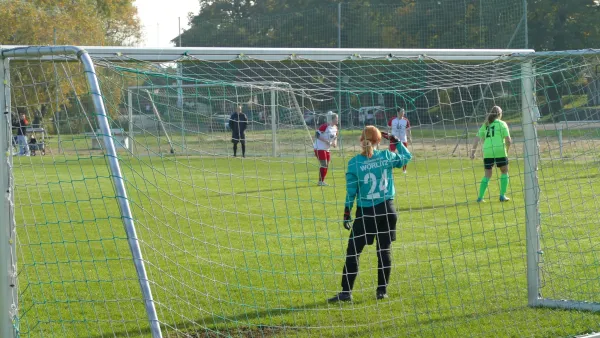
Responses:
[377,222]
[235,143]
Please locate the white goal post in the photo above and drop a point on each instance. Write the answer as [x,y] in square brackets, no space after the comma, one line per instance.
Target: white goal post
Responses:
[8,291]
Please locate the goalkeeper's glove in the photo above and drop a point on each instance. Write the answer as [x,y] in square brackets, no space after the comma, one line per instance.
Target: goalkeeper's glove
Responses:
[347,219]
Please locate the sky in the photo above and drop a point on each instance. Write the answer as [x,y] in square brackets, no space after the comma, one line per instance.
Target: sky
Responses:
[160,19]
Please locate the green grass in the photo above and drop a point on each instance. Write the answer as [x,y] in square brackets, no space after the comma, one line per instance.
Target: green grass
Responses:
[253,248]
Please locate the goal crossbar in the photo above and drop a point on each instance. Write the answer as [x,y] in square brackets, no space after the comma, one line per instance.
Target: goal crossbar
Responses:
[277,54]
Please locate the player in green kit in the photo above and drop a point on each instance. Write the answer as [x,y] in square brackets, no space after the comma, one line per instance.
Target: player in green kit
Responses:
[495,151]
[370,181]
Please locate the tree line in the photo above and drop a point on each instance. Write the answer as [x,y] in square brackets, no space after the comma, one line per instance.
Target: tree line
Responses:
[549,24]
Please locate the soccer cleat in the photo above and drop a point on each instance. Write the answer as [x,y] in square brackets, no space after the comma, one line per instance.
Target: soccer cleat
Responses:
[504,198]
[404,171]
[322,184]
[381,295]
[480,200]
[341,297]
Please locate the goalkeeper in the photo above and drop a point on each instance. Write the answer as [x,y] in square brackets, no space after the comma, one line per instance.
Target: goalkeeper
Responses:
[370,181]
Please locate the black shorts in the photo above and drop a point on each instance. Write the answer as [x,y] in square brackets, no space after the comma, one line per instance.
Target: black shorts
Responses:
[376,221]
[488,163]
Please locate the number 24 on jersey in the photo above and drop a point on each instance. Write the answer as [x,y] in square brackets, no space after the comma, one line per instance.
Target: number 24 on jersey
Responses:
[370,178]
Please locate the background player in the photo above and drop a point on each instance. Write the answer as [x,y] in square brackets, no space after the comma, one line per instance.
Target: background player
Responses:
[325,138]
[399,131]
[370,181]
[495,151]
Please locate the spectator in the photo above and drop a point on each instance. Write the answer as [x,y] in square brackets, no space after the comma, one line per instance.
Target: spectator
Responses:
[21,127]
[33,144]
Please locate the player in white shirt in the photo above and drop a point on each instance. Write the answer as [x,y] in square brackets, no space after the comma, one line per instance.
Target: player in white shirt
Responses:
[399,131]
[325,138]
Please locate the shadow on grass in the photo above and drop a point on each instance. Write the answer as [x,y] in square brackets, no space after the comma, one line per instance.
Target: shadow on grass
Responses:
[222,326]
[239,326]
[261,190]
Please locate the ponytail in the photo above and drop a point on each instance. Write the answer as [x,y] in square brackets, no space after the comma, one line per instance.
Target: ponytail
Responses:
[494,114]
[370,138]
[367,148]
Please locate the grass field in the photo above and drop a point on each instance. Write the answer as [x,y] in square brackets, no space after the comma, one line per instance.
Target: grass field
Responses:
[252,248]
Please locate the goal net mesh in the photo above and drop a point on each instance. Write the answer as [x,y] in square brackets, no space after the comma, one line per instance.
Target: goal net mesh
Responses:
[253,247]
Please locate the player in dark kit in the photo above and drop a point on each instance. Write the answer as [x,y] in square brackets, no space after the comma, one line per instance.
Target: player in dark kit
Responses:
[238,122]
[370,181]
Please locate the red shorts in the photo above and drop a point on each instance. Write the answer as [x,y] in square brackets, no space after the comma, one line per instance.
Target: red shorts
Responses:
[323,155]
[393,145]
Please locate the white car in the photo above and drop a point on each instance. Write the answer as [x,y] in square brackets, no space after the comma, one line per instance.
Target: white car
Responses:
[369,115]
[219,123]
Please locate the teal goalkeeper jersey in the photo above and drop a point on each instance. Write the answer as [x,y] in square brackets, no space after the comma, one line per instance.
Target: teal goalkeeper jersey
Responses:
[370,180]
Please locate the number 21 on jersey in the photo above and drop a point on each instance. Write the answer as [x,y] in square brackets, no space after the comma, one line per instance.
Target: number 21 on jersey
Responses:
[383,185]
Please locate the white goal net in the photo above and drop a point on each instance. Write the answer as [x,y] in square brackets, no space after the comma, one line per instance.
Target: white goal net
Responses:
[136,220]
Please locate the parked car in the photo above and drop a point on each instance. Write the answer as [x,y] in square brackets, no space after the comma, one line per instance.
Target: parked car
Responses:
[372,115]
[314,119]
[349,118]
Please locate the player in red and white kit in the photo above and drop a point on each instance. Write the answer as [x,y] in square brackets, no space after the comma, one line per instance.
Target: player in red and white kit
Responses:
[399,131]
[325,138]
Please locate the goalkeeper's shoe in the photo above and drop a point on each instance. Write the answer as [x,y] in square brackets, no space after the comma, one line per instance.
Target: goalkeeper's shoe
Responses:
[504,198]
[341,297]
[381,295]
[480,200]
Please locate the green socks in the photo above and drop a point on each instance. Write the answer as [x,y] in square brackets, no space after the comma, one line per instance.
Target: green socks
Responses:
[503,184]
[485,181]
[483,186]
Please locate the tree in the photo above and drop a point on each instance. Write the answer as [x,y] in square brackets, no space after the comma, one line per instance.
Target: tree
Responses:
[120,23]
[364,24]
[85,22]
[44,22]
[563,25]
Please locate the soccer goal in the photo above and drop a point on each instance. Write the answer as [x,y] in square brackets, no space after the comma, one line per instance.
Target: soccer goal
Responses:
[138,241]
[196,116]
